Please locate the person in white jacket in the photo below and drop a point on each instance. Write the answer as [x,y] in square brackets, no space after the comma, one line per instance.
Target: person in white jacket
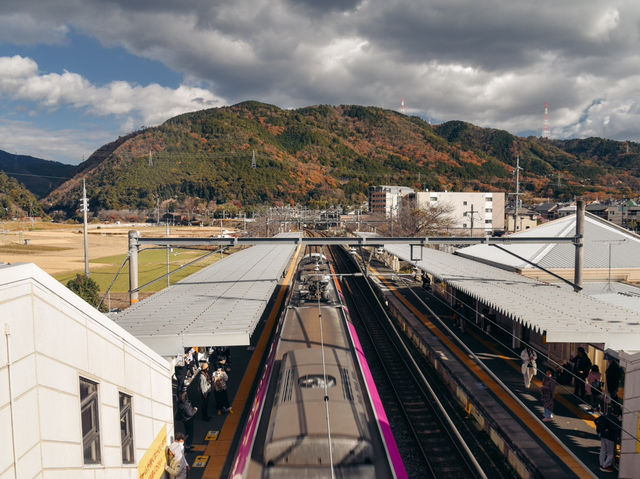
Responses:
[177,467]
[529,367]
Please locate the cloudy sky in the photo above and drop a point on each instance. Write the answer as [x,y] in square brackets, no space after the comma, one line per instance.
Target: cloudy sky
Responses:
[75,74]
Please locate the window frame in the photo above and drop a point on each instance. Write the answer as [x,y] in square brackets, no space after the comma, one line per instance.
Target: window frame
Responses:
[91,438]
[126,418]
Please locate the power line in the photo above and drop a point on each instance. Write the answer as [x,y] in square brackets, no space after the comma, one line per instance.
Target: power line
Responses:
[38,176]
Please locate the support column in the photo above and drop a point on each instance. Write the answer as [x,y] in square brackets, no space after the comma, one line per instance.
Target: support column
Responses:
[630,448]
[133,266]
[577,271]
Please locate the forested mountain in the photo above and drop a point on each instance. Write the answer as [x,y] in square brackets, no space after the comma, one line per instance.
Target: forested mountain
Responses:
[16,200]
[325,155]
[39,176]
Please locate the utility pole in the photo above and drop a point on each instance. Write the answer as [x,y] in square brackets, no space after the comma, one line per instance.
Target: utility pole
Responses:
[84,230]
[168,258]
[515,219]
[472,213]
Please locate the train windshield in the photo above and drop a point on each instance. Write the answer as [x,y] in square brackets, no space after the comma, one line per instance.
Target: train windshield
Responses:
[316,381]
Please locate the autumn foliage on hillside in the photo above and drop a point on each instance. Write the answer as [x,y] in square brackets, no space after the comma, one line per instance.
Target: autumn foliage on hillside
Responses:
[325,155]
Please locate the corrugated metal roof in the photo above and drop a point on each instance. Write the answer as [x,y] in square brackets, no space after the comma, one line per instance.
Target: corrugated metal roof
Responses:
[598,234]
[565,316]
[219,305]
[620,294]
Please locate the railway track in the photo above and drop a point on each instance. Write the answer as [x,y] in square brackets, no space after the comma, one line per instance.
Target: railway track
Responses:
[428,441]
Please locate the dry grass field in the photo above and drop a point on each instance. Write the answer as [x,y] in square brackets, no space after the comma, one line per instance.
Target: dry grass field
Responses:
[58,249]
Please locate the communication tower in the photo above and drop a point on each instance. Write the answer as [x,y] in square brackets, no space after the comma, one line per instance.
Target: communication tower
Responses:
[253,159]
[546,129]
[402,106]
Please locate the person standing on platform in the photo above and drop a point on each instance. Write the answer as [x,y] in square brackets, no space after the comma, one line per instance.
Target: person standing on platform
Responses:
[609,428]
[204,387]
[581,368]
[186,412]
[529,368]
[220,379]
[593,387]
[547,392]
[612,375]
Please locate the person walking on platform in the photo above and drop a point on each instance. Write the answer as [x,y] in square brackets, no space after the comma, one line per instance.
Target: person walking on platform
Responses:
[593,387]
[529,368]
[186,412]
[581,367]
[220,379]
[609,428]
[547,392]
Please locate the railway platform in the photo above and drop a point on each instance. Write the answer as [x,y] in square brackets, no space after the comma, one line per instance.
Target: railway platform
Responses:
[566,447]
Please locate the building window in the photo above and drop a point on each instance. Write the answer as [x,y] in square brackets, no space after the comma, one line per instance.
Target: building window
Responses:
[90,425]
[126,429]
[464,225]
[464,203]
[488,210]
[488,199]
[487,222]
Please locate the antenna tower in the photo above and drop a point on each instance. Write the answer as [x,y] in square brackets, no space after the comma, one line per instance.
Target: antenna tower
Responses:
[253,159]
[546,129]
[402,106]
[150,159]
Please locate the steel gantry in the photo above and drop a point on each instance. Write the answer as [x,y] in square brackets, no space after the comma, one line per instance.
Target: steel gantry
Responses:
[135,241]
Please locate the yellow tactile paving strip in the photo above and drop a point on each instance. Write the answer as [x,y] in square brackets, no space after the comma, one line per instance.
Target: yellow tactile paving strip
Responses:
[538,429]
[218,450]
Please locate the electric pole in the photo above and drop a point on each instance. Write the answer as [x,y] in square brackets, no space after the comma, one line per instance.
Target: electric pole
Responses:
[85,207]
[515,219]
[472,213]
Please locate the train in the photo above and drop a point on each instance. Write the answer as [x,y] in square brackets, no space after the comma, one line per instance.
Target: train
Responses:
[316,391]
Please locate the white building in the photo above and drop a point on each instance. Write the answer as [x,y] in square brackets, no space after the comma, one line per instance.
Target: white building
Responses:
[79,396]
[387,199]
[482,212]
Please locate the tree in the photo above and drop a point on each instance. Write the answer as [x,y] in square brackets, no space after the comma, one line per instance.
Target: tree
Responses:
[425,221]
[87,289]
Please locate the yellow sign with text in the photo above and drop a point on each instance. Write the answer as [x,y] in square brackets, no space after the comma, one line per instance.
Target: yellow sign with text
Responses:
[152,464]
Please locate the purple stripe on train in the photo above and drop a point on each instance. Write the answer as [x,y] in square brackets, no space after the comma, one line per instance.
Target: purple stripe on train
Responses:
[389,439]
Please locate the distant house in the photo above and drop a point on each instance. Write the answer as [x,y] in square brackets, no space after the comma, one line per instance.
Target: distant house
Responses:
[547,211]
[172,218]
[527,219]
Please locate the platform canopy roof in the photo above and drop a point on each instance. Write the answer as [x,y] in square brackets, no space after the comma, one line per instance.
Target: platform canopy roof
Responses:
[598,235]
[565,316]
[218,306]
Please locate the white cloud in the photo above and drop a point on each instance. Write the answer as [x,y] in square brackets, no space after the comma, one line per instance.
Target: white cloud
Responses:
[151,104]
[494,62]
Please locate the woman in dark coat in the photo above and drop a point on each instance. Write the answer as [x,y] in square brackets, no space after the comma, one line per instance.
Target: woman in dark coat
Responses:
[547,391]
[185,414]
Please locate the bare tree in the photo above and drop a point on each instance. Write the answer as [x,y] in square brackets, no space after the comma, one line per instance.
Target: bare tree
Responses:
[429,220]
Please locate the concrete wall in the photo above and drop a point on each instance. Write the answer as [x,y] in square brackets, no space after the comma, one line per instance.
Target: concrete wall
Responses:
[53,339]
[488,208]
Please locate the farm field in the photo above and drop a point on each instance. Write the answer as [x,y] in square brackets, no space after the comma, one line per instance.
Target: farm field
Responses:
[58,249]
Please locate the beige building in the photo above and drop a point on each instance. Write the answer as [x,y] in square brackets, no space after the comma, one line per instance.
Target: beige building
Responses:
[387,199]
[473,212]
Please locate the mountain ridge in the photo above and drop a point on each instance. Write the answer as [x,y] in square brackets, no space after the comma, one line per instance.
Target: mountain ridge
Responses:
[325,155]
